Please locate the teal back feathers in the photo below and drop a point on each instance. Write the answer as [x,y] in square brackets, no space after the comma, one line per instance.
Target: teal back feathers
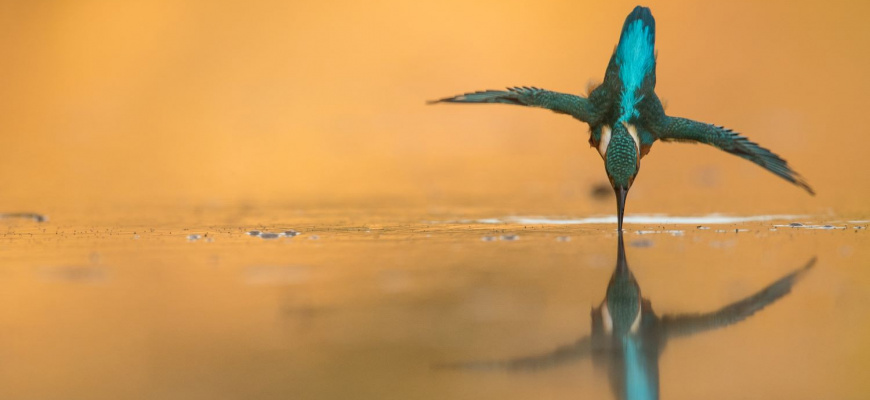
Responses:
[635,56]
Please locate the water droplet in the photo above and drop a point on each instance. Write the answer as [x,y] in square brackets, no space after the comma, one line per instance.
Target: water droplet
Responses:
[269,235]
[193,237]
[509,237]
[703,227]
[488,238]
[563,238]
[313,237]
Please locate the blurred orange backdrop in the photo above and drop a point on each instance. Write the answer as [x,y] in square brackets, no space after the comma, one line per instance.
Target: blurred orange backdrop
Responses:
[323,103]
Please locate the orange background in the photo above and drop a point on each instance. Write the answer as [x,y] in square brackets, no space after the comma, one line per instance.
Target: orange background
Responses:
[322,103]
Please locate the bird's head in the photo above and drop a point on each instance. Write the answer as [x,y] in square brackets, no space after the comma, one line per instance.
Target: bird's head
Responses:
[622,162]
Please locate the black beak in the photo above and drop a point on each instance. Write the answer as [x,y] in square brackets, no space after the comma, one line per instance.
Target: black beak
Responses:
[621,192]
[621,263]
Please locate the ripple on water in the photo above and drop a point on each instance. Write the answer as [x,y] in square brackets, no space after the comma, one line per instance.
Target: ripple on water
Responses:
[672,232]
[290,233]
[799,225]
[639,219]
[641,243]
[32,216]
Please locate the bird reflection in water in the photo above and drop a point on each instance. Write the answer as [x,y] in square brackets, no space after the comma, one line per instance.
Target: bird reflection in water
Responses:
[628,336]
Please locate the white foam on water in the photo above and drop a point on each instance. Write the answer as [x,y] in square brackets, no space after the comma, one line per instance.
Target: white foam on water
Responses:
[642,219]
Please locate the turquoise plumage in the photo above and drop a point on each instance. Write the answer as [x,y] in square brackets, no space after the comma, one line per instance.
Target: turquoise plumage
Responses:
[624,112]
[628,337]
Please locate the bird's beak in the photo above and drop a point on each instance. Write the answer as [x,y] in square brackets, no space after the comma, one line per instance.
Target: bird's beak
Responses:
[621,193]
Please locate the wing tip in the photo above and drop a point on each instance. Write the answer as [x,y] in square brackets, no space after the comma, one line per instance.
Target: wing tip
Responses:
[803,184]
[455,99]
[800,182]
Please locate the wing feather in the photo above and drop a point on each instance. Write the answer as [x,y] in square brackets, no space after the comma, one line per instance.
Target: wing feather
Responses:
[686,130]
[576,106]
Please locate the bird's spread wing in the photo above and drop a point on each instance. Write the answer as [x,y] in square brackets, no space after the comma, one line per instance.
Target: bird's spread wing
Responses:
[575,106]
[562,355]
[688,324]
[686,130]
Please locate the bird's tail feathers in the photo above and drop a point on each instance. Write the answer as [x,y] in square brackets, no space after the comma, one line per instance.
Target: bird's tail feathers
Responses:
[642,14]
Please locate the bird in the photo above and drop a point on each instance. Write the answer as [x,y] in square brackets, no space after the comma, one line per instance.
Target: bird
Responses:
[627,336]
[626,117]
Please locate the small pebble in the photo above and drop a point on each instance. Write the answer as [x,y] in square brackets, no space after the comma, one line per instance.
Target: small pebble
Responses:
[269,235]
[254,233]
[193,237]
[703,227]
[509,237]
[488,238]
[291,233]
[563,238]
[795,224]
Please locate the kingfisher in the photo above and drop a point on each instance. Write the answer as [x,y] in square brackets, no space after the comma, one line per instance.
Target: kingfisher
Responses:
[626,117]
[627,336]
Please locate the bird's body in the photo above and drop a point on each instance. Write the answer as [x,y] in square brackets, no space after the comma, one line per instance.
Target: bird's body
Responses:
[625,115]
[628,336]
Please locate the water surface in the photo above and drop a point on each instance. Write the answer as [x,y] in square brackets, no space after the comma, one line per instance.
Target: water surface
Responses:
[364,305]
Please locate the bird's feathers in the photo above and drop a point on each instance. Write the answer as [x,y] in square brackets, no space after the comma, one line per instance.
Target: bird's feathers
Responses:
[575,106]
[686,130]
[635,57]
[627,95]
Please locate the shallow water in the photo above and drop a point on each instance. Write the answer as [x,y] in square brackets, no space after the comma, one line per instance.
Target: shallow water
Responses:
[363,306]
